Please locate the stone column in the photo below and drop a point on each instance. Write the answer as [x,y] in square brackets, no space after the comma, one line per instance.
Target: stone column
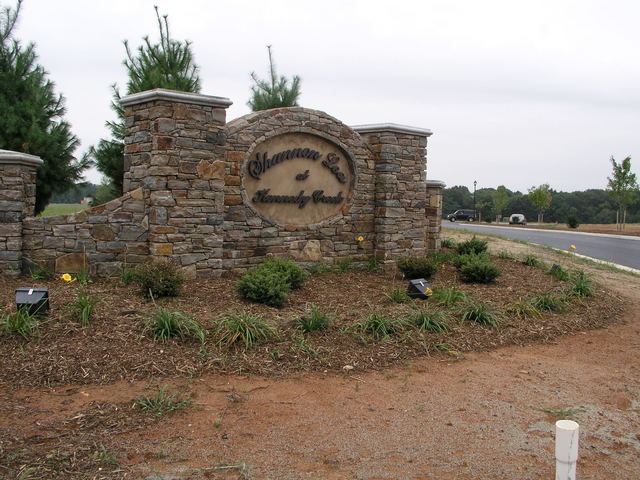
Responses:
[174,149]
[433,213]
[400,188]
[17,201]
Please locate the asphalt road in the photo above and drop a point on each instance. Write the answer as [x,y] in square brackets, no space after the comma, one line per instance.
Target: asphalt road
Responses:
[611,248]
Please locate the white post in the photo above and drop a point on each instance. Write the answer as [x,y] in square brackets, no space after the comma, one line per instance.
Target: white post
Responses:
[567,433]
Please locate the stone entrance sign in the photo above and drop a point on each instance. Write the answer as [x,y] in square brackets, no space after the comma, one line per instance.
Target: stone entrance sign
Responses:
[297,179]
[216,197]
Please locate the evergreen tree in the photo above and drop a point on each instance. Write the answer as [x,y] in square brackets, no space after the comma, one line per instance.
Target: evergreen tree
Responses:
[167,64]
[623,187]
[31,119]
[275,92]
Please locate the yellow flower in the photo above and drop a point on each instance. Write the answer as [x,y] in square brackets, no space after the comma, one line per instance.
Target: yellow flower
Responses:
[361,238]
[67,278]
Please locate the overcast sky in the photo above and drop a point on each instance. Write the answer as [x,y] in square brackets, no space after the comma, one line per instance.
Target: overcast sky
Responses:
[516,93]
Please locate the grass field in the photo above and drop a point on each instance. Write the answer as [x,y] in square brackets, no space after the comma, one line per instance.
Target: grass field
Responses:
[62,209]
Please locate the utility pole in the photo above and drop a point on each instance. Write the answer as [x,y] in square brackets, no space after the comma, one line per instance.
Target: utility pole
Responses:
[475,213]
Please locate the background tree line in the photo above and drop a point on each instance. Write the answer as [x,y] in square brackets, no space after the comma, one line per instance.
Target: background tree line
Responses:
[590,206]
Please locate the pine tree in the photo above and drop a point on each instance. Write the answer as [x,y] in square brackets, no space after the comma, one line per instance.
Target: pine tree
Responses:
[275,92]
[167,64]
[31,120]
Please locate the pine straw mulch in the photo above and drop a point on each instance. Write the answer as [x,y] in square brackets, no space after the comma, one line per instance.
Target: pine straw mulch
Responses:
[115,346]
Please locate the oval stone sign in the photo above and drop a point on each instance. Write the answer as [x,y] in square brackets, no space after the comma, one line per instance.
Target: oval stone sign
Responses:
[297,178]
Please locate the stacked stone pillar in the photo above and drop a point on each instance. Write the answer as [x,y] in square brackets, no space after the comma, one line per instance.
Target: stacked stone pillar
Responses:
[433,213]
[400,188]
[171,139]
[17,201]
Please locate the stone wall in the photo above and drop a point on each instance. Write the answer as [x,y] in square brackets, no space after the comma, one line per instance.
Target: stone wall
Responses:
[17,200]
[187,179]
[433,213]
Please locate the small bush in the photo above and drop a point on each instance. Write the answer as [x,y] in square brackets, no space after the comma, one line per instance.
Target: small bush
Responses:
[83,307]
[432,320]
[315,319]
[344,264]
[582,285]
[162,402]
[165,324]
[244,327]
[478,271]
[558,272]
[320,269]
[413,267]
[379,327]
[398,295]
[292,272]
[522,309]
[548,302]
[373,264]
[449,296]
[41,273]
[263,285]
[472,245]
[531,260]
[448,243]
[572,221]
[158,279]
[465,258]
[504,255]
[480,313]
[20,323]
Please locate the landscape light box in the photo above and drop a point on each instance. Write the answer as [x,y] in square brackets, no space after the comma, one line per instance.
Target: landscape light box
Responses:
[36,300]
[419,288]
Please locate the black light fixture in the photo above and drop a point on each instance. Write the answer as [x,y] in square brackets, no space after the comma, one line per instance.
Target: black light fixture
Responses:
[475,214]
[419,288]
[36,300]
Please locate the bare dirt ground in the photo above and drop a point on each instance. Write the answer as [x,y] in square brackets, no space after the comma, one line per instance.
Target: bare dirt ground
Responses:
[630,230]
[474,416]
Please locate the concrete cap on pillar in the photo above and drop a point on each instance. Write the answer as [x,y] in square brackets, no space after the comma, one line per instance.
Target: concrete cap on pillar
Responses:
[18,158]
[436,183]
[392,127]
[175,96]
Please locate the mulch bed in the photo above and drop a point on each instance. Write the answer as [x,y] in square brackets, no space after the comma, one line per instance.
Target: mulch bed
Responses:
[115,346]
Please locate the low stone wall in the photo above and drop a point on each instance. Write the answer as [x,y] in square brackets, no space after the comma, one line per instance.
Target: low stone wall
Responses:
[103,239]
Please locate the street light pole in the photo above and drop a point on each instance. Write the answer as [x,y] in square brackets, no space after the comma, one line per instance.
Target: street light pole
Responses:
[475,213]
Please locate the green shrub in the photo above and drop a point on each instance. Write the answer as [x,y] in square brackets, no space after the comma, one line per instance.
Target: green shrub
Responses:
[572,221]
[162,402]
[398,295]
[582,285]
[244,327]
[83,307]
[291,271]
[21,323]
[472,245]
[479,270]
[379,327]
[158,279]
[165,324]
[558,272]
[83,276]
[531,260]
[549,302]
[128,275]
[465,258]
[448,243]
[263,285]
[41,273]
[315,319]
[414,267]
[429,319]
[449,296]
[480,313]
[320,269]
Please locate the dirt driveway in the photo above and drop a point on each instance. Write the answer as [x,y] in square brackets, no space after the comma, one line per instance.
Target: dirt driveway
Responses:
[488,415]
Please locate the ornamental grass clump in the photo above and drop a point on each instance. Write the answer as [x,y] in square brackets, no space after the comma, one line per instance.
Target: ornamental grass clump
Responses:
[244,327]
[158,279]
[558,272]
[448,297]
[549,302]
[480,313]
[314,319]
[417,267]
[163,401]
[431,320]
[531,260]
[21,323]
[582,285]
[165,324]
[83,307]
[379,326]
